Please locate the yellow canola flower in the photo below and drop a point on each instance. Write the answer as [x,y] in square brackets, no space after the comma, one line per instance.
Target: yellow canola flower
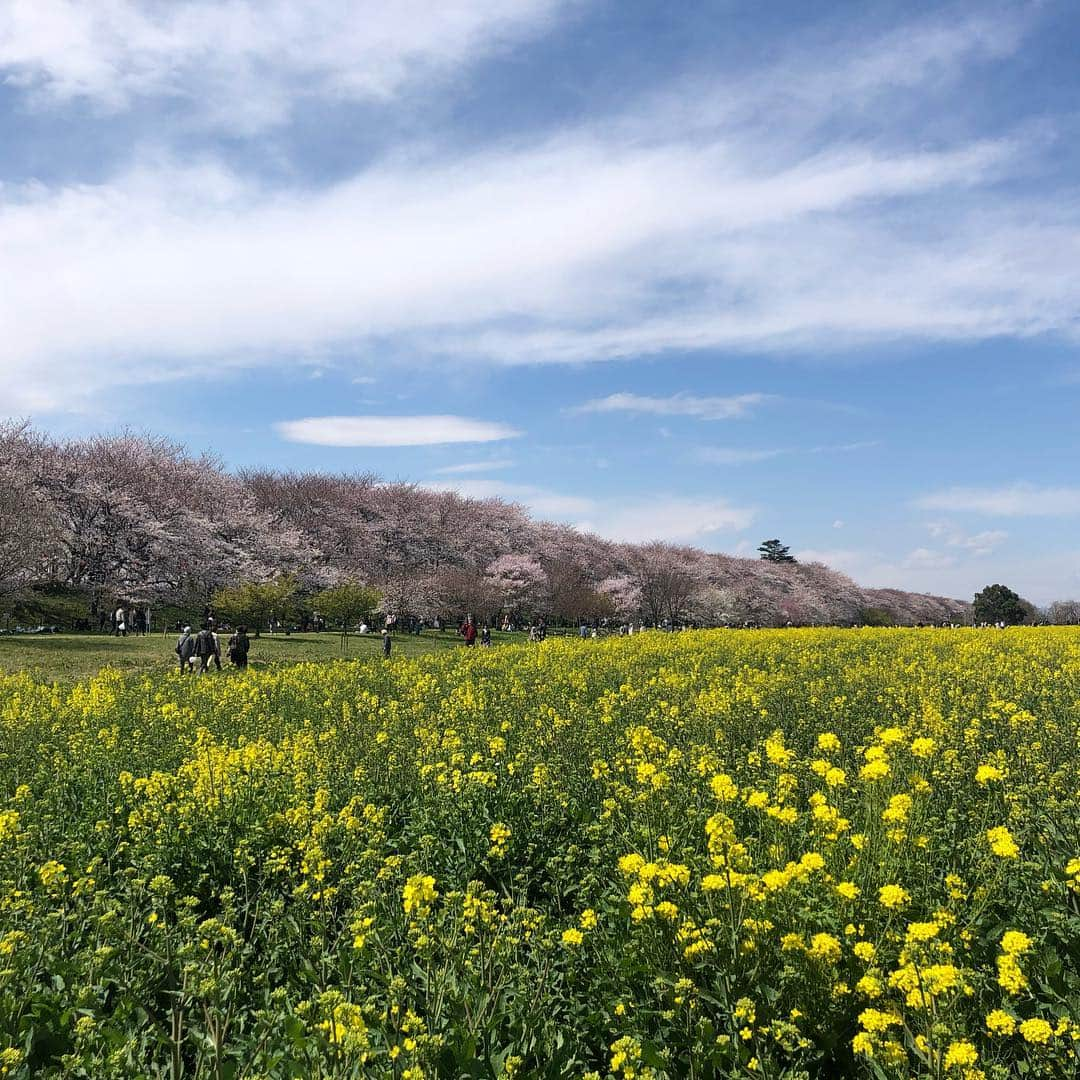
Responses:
[1036,1031]
[1002,843]
[825,947]
[418,895]
[893,897]
[960,1055]
[877,769]
[923,747]
[1015,942]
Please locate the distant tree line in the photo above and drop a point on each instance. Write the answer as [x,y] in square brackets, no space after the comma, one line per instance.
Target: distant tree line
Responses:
[139,519]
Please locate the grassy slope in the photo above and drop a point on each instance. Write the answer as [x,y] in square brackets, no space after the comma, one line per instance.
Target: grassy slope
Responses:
[67,657]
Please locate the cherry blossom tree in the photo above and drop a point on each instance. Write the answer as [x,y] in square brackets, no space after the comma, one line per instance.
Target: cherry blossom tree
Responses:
[133,517]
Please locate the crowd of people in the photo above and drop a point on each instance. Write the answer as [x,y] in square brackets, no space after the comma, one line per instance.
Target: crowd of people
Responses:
[199,651]
[130,620]
[196,652]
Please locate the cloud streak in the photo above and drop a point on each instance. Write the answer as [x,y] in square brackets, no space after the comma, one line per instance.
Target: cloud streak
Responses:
[392,430]
[1011,500]
[244,64]
[706,521]
[468,467]
[668,230]
[722,455]
[699,408]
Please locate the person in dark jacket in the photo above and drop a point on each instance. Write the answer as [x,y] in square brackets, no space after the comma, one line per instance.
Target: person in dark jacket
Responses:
[239,644]
[185,649]
[206,649]
[387,643]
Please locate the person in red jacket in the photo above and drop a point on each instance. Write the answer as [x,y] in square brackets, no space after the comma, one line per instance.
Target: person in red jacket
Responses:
[468,631]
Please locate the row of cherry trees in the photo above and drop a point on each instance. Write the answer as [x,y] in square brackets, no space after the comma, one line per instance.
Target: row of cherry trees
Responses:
[129,517]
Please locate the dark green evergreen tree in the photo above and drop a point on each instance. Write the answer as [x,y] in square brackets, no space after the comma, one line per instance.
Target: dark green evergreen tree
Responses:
[774,551]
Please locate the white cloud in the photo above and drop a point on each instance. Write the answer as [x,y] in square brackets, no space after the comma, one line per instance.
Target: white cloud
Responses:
[676,520]
[473,467]
[980,543]
[688,520]
[700,408]
[838,524]
[718,455]
[1012,500]
[713,227]
[925,558]
[544,503]
[1051,575]
[242,64]
[392,430]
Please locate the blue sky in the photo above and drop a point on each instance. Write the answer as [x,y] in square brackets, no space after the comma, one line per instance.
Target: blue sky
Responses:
[710,272]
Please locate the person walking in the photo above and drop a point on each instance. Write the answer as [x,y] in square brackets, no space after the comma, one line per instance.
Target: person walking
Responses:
[468,631]
[485,637]
[239,645]
[185,649]
[387,643]
[204,649]
[119,626]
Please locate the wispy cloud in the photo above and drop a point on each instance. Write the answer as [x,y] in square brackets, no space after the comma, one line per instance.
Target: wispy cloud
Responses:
[980,543]
[1054,574]
[670,228]
[703,521]
[1011,500]
[721,455]
[545,503]
[707,521]
[244,64]
[700,408]
[467,467]
[392,430]
[923,558]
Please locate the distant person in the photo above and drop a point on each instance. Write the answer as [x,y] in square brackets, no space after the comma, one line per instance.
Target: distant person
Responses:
[468,632]
[387,643]
[119,625]
[185,649]
[583,631]
[206,649]
[485,637]
[363,628]
[239,646]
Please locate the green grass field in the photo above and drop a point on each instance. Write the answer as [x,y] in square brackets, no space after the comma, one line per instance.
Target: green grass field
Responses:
[68,657]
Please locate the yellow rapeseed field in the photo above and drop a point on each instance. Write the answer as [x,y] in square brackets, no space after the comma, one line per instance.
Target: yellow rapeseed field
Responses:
[711,854]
